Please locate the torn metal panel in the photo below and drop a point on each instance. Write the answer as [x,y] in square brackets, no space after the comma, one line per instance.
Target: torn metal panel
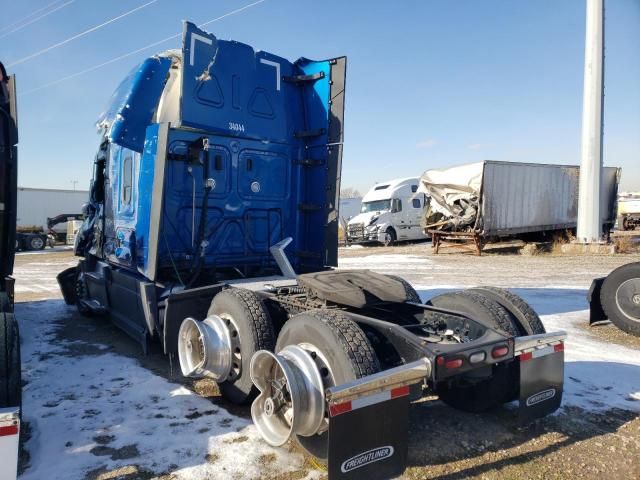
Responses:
[507,198]
[133,104]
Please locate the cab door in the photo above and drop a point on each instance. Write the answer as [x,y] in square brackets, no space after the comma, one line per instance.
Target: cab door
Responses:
[415,207]
[399,218]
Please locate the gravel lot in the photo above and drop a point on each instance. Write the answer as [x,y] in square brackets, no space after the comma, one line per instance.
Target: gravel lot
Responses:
[92,399]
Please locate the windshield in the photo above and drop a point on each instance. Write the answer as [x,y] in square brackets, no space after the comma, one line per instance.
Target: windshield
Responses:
[377,206]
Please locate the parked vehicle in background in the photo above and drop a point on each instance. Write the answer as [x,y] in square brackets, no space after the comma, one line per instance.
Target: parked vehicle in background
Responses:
[37,238]
[391,212]
[502,199]
[10,365]
[44,210]
[629,212]
[616,297]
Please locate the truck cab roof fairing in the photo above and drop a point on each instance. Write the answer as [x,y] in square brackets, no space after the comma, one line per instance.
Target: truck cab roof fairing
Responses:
[133,104]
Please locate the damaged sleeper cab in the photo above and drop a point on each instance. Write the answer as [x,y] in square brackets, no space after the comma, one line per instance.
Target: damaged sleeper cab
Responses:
[212,229]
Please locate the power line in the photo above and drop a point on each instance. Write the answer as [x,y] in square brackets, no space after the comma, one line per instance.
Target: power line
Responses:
[35,12]
[79,35]
[120,57]
[20,27]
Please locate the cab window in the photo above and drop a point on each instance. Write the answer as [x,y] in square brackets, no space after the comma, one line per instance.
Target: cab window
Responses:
[127,179]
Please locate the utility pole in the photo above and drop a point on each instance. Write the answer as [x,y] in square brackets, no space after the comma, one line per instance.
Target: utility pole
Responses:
[589,223]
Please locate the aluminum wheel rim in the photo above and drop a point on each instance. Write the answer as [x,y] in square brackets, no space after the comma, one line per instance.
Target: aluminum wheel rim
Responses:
[628,299]
[236,347]
[36,243]
[291,399]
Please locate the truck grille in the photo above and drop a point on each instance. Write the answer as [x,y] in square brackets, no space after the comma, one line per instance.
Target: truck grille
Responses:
[356,231]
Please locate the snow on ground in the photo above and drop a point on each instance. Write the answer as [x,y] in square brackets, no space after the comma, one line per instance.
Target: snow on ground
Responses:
[103,411]
[91,409]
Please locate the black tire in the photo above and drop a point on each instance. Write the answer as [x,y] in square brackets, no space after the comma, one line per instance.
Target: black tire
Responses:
[478,307]
[412,295]
[620,298]
[390,237]
[469,393]
[10,366]
[35,242]
[255,331]
[527,320]
[339,340]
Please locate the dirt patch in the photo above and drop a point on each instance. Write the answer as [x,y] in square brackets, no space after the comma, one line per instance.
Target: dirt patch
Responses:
[612,334]
[104,439]
[122,453]
[570,444]
[267,459]
[240,439]
[212,457]
[127,472]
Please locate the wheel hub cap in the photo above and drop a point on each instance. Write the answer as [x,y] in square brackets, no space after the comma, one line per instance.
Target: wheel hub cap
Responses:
[628,298]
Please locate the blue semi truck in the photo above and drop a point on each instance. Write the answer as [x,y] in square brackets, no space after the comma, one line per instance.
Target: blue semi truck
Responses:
[211,228]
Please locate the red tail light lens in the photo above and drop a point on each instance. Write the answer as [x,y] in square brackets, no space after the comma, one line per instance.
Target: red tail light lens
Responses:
[500,351]
[453,363]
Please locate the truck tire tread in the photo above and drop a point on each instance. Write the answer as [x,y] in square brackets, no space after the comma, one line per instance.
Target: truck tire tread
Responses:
[10,369]
[241,390]
[526,317]
[353,340]
[492,311]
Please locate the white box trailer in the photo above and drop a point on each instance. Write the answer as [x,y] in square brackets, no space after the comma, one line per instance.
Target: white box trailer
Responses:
[498,199]
[35,205]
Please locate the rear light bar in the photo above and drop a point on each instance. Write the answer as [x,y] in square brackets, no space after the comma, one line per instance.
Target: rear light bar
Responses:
[541,351]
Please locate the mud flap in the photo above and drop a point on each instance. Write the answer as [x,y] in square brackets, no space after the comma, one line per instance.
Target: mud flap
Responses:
[368,437]
[541,381]
[596,313]
[67,281]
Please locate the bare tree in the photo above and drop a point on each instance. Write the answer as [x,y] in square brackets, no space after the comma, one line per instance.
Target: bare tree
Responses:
[349,192]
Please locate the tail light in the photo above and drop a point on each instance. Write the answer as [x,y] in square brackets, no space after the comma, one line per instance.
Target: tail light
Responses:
[449,363]
[499,351]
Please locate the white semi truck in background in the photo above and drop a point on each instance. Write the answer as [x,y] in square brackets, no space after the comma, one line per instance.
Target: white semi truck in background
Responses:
[629,211]
[391,212]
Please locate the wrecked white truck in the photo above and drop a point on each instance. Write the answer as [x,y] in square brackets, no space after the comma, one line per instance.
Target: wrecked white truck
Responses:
[212,228]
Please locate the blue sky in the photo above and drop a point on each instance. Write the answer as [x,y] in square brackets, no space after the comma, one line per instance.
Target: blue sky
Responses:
[430,83]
